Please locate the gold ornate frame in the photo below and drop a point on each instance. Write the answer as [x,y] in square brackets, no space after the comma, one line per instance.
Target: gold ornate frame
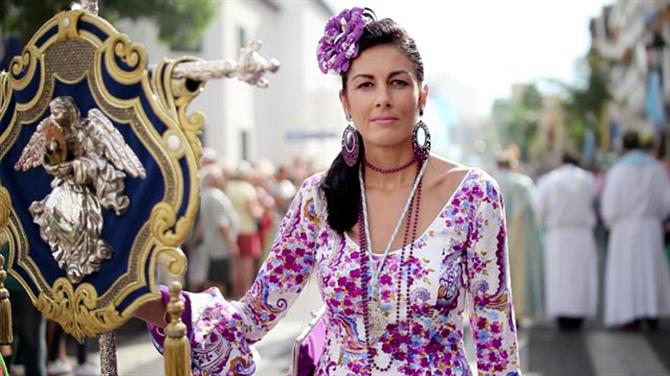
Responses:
[71,55]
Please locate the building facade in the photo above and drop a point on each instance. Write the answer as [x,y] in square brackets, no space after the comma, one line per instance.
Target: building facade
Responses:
[633,37]
[298,115]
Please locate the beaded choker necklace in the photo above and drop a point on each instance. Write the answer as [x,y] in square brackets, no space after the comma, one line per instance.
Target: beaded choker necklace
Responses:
[374,320]
[388,170]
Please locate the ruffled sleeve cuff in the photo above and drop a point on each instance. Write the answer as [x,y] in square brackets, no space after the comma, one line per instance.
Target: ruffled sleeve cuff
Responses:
[158,333]
[216,332]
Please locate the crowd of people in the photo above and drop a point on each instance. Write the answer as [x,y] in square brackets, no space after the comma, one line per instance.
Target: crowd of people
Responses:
[553,227]
[240,209]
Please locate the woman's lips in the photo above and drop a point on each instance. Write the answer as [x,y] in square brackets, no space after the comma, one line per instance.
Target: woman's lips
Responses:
[384,119]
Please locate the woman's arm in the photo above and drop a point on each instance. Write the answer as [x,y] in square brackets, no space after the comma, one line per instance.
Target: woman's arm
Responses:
[221,331]
[492,316]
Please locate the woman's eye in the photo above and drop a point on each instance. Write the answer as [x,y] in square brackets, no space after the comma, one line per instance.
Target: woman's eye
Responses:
[399,83]
[364,85]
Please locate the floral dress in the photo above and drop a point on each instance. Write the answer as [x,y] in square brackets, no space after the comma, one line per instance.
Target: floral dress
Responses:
[460,260]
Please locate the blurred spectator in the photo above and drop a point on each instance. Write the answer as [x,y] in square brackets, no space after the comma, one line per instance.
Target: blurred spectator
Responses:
[218,226]
[244,198]
[564,201]
[525,253]
[209,156]
[282,189]
[29,347]
[58,362]
[298,170]
[198,265]
[635,200]
[264,179]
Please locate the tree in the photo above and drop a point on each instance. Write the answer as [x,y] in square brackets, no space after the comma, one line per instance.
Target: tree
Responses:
[180,23]
[517,121]
[584,103]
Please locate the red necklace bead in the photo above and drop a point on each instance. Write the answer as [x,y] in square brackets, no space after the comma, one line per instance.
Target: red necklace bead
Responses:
[388,170]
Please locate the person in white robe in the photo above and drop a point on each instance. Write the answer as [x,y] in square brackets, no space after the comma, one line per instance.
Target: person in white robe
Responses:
[525,251]
[565,204]
[635,200]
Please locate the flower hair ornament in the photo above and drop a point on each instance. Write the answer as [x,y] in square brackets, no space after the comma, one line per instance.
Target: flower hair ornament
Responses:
[340,41]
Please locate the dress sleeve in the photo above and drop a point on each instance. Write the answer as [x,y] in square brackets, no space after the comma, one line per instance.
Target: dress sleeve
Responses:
[492,315]
[221,331]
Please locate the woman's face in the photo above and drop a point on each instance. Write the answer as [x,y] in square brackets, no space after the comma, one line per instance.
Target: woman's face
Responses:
[383,96]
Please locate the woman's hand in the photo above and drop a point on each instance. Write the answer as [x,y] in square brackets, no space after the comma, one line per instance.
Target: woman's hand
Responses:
[152,311]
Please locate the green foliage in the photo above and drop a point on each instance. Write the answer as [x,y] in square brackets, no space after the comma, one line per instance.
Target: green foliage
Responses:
[182,23]
[585,103]
[532,98]
[517,122]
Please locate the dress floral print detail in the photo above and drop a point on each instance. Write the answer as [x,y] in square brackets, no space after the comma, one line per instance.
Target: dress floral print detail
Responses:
[459,261]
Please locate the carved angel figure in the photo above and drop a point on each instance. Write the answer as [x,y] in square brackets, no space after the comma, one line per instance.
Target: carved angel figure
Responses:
[89,160]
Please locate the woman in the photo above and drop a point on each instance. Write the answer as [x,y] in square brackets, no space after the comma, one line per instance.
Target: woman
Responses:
[399,239]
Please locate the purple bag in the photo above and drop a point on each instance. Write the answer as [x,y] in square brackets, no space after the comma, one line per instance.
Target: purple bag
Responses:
[309,346]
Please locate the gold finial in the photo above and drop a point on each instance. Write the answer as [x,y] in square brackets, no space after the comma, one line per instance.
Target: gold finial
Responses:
[177,348]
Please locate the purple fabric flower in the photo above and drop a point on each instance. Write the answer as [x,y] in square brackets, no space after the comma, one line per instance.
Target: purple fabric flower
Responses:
[340,41]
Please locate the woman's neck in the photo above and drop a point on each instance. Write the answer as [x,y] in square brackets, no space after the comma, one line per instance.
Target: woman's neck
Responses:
[387,159]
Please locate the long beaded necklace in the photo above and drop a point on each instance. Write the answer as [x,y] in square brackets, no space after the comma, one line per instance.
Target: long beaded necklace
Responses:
[374,321]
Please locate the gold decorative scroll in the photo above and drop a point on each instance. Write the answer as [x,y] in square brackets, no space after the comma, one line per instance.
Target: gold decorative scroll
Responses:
[72,55]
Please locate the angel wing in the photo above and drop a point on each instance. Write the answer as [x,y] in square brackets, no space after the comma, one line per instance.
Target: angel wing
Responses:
[112,145]
[33,153]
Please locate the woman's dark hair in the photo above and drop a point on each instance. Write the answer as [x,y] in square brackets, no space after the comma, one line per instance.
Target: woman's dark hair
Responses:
[387,31]
[341,186]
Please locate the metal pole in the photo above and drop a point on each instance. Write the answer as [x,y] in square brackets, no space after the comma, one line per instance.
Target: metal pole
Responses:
[106,341]
[107,344]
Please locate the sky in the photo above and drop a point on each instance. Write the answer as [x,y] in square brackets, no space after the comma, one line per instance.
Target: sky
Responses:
[485,46]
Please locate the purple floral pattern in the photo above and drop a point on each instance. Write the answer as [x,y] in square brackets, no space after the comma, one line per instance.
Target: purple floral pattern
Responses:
[339,44]
[459,261]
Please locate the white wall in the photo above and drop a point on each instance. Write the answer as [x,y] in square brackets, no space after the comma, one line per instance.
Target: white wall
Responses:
[300,97]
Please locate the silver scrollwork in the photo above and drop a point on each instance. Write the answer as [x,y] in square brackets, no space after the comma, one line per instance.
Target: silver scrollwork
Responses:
[89,160]
[250,67]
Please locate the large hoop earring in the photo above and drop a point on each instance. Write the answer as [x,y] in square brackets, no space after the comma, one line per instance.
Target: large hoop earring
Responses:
[350,147]
[421,141]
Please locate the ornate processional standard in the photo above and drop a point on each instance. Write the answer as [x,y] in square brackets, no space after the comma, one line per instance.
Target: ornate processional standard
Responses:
[99,175]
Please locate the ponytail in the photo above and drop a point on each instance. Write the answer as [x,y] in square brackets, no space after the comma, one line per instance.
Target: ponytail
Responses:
[343,192]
